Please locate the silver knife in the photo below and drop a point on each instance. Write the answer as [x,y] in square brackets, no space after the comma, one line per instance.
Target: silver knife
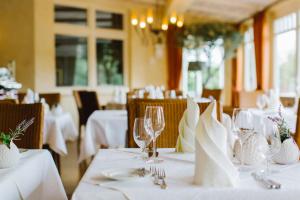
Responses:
[261,180]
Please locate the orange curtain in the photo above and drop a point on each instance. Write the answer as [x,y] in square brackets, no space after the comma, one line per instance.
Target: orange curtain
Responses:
[237,74]
[261,39]
[174,56]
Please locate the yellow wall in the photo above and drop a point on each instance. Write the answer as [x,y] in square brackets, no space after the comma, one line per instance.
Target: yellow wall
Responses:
[17,38]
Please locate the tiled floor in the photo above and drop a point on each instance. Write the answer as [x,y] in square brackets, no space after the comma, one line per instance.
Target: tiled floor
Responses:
[70,169]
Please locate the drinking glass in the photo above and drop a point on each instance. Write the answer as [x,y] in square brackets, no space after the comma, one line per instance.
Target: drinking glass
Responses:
[242,125]
[141,137]
[274,145]
[154,123]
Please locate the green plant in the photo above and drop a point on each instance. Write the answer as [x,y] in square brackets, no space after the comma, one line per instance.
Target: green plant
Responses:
[209,36]
[281,124]
[7,138]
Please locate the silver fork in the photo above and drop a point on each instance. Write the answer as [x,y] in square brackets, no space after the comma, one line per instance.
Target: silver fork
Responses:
[162,176]
[154,172]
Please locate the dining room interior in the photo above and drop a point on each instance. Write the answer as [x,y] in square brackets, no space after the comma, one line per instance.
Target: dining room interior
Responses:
[149,99]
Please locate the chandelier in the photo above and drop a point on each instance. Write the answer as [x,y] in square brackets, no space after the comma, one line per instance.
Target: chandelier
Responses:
[151,24]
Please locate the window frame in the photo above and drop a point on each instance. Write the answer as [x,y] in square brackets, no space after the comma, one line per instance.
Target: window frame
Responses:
[92,33]
[297,52]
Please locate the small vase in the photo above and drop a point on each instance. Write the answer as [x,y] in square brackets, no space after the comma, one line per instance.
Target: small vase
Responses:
[9,156]
[288,154]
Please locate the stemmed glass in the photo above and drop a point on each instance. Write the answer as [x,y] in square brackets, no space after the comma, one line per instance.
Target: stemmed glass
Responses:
[141,137]
[274,145]
[242,125]
[154,122]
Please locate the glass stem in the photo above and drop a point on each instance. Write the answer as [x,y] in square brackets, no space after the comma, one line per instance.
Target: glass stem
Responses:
[268,166]
[154,148]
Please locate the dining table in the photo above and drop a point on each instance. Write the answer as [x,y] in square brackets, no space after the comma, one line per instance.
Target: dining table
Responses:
[35,177]
[104,128]
[58,129]
[179,169]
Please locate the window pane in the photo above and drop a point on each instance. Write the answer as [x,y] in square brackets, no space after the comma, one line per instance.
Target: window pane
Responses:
[71,60]
[285,23]
[285,61]
[70,15]
[109,62]
[109,20]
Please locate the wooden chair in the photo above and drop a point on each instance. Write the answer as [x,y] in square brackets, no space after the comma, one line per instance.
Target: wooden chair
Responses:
[297,134]
[8,101]
[247,99]
[21,97]
[216,94]
[173,111]
[288,101]
[51,99]
[12,114]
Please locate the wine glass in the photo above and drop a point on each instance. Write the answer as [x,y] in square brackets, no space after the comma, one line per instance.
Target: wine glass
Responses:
[242,125]
[274,145]
[141,137]
[154,123]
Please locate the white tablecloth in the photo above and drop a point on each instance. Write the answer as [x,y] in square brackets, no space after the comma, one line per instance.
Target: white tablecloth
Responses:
[57,130]
[104,127]
[179,170]
[288,114]
[35,177]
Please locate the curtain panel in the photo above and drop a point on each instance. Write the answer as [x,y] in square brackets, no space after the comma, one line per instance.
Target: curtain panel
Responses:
[174,58]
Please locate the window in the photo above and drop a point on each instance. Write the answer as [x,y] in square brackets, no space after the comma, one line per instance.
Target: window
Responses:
[109,62]
[75,46]
[249,61]
[285,58]
[211,77]
[71,61]
[109,20]
[70,15]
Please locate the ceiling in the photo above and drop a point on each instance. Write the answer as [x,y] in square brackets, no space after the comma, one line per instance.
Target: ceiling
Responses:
[213,10]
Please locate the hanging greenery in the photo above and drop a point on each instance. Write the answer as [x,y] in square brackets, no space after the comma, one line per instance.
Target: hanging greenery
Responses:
[209,34]
[207,37]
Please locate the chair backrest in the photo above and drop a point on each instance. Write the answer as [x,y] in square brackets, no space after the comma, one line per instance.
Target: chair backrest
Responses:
[8,101]
[247,99]
[216,94]
[297,134]
[21,97]
[87,104]
[13,114]
[173,111]
[51,99]
[288,101]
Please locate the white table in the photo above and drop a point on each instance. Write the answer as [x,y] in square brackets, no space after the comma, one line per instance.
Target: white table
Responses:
[179,169]
[35,177]
[57,130]
[104,127]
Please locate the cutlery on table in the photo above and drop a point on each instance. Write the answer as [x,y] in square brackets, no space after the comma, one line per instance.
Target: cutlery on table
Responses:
[267,183]
[162,176]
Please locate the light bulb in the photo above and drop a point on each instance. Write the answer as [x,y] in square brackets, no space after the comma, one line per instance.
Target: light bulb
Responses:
[164,27]
[142,24]
[134,21]
[149,19]
[173,19]
[179,24]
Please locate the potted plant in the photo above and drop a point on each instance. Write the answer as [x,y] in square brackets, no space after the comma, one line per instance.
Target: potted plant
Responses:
[9,152]
[289,151]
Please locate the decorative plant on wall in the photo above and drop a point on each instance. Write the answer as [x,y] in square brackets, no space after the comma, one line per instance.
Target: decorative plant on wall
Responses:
[209,36]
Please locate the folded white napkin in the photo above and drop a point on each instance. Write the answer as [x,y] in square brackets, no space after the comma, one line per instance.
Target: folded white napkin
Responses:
[226,121]
[213,167]
[29,97]
[57,110]
[45,105]
[187,125]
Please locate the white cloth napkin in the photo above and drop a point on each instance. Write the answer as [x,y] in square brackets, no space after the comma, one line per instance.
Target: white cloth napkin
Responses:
[213,167]
[57,110]
[29,97]
[187,125]
[45,105]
